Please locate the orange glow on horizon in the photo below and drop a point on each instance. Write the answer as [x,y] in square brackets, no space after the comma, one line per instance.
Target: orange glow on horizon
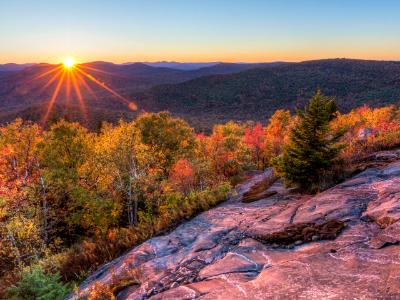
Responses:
[252,54]
[274,53]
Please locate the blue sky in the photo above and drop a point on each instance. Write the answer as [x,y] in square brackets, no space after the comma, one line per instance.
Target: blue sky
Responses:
[194,30]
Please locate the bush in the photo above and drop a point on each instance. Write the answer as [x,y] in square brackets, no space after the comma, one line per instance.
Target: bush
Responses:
[36,285]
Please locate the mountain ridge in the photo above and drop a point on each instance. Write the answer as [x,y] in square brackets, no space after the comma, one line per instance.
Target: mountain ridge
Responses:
[24,89]
[212,94]
[257,93]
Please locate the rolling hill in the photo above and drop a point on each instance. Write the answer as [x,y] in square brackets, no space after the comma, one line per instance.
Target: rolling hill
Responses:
[22,93]
[255,94]
[14,67]
[207,95]
[179,65]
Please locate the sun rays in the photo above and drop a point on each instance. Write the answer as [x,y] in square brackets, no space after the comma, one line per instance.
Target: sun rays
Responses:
[73,79]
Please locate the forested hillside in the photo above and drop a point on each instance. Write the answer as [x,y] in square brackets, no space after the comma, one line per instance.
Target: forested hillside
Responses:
[257,93]
[200,96]
[26,91]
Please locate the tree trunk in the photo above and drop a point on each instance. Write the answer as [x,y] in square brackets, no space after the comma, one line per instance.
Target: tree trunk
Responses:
[134,175]
[130,208]
[14,244]
[44,207]
[135,218]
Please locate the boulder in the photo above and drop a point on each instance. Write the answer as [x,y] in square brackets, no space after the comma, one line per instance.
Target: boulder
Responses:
[365,133]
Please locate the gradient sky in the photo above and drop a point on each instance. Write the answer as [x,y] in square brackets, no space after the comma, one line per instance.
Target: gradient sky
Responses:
[198,30]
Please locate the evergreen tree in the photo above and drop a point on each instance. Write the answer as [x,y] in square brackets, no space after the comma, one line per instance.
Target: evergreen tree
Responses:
[312,148]
[36,285]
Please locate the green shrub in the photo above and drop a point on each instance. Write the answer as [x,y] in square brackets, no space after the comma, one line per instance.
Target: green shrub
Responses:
[36,285]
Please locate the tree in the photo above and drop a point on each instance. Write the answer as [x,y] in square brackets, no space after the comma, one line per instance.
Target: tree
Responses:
[169,139]
[35,284]
[276,133]
[121,161]
[312,149]
[254,139]
[226,149]
[181,176]
[61,154]
[20,222]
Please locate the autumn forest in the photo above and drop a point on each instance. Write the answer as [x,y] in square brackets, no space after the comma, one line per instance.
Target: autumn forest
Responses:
[72,199]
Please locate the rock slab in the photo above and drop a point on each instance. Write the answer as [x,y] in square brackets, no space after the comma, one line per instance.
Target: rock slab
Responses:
[229,252]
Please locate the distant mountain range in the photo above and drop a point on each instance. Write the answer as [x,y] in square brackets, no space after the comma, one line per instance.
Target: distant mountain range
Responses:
[14,67]
[180,66]
[183,66]
[212,93]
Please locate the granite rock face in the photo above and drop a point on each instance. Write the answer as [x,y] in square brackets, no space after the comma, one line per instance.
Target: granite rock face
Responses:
[340,244]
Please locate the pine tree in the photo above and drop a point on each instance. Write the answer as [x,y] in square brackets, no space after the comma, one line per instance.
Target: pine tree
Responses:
[312,148]
[36,285]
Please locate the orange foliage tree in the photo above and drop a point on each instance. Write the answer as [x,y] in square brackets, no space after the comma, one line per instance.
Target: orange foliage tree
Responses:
[227,150]
[181,176]
[368,129]
[276,133]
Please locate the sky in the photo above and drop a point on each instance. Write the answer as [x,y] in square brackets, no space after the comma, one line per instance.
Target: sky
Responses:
[33,31]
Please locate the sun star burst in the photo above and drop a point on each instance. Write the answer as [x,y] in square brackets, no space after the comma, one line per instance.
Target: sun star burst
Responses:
[71,76]
[68,63]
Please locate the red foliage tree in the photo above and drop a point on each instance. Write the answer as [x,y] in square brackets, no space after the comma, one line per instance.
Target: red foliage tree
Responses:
[254,139]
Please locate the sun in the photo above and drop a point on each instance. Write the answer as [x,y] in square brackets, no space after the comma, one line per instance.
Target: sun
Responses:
[71,76]
[68,62]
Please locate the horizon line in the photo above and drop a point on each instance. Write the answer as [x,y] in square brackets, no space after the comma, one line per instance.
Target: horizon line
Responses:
[203,62]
